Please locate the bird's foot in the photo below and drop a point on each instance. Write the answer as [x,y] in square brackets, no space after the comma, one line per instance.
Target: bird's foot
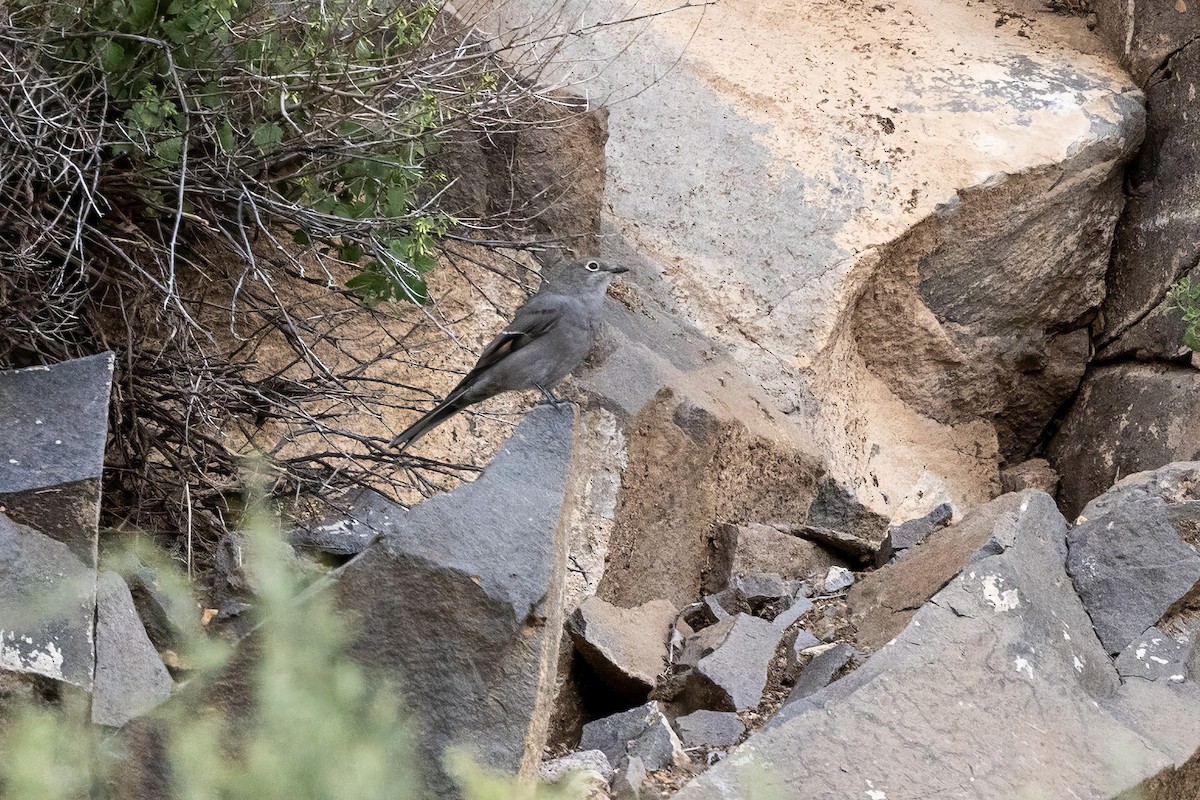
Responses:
[554,401]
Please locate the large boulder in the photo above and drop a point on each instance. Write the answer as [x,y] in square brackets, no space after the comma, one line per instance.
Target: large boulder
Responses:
[1158,238]
[1126,419]
[998,688]
[927,237]
[1145,34]
[460,600]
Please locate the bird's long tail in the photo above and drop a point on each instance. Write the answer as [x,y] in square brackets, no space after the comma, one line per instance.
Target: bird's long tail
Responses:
[434,417]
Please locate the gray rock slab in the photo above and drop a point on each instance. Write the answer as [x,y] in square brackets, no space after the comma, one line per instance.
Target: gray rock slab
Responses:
[1173,483]
[641,733]
[583,760]
[761,587]
[47,607]
[1156,241]
[1144,34]
[1155,656]
[1129,566]
[795,654]
[819,673]
[629,783]
[165,616]
[882,602]
[729,662]
[55,423]
[336,536]
[903,537]
[705,728]
[847,545]
[459,598]
[130,676]
[798,608]
[627,647]
[52,436]
[998,688]
[837,579]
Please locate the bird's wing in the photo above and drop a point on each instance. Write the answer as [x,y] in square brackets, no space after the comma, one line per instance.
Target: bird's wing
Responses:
[533,320]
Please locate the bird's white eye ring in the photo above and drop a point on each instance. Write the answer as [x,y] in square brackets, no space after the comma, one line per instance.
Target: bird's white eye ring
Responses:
[593,266]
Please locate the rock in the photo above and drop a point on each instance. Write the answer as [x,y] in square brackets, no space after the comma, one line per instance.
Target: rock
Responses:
[760,588]
[710,729]
[798,608]
[130,676]
[1036,473]
[52,435]
[163,615]
[855,548]
[795,653]
[1173,483]
[1007,639]
[881,603]
[819,672]
[1146,35]
[335,537]
[836,579]
[691,459]
[903,537]
[626,647]
[729,663]
[581,761]
[630,781]
[1172,783]
[756,548]
[459,598]
[1156,242]
[1155,656]
[838,509]
[1132,564]
[641,733]
[912,533]
[47,603]
[1127,418]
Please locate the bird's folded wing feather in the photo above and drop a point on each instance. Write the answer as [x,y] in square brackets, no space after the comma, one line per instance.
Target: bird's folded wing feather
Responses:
[532,321]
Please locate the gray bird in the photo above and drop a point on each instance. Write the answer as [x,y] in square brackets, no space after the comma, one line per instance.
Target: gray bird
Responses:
[549,336]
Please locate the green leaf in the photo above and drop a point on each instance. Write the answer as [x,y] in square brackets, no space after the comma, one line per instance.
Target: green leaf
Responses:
[267,136]
[169,151]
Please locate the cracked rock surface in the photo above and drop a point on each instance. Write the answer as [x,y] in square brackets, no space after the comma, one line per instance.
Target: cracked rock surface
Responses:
[998,687]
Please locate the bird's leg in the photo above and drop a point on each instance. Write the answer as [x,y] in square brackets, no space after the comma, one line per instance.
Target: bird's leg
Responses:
[549,395]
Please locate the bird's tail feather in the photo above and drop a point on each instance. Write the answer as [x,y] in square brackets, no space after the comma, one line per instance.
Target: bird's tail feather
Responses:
[434,417]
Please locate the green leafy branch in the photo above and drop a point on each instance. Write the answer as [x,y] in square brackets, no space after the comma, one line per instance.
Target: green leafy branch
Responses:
[1185,296]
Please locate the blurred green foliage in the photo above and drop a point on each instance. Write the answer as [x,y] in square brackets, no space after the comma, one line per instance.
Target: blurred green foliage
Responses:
[1185,296]
[321,727]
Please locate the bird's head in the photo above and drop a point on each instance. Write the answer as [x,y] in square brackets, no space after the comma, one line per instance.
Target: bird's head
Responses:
[584,274]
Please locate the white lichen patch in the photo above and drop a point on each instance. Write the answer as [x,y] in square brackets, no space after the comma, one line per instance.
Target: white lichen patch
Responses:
[21,656]
[1023,665]
[1001,599]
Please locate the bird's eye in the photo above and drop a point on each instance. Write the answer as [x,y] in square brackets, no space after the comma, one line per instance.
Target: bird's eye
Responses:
[593,266]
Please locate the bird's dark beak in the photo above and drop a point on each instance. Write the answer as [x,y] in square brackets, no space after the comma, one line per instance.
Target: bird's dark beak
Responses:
[618,270]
